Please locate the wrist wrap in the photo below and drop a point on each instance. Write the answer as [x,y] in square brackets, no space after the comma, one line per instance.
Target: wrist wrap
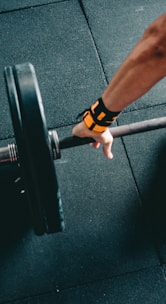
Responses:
[98,118]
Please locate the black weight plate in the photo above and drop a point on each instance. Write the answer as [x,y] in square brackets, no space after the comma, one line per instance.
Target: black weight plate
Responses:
[36,155]
[36,210]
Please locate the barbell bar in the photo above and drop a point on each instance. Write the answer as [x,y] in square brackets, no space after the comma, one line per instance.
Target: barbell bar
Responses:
[36,147]
[9,153]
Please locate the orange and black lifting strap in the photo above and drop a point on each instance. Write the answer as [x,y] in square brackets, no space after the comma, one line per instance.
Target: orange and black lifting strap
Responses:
[98,118]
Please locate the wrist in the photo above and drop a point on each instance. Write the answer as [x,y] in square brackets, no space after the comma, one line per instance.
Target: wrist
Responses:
[98,118]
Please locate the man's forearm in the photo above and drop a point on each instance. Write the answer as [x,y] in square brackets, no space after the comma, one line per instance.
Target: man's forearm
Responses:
[142,69]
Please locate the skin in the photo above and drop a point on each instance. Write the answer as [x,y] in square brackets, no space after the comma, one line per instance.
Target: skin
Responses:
[140,71]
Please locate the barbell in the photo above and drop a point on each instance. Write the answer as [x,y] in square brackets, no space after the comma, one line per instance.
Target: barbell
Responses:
[36,147]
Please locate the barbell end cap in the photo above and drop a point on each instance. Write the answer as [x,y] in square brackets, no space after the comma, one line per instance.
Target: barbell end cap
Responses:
[54,141]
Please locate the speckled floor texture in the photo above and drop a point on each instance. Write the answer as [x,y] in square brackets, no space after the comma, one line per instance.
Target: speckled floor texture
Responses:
[113,249]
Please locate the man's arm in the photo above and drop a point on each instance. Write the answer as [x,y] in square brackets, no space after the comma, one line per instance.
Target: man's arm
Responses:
[141,70]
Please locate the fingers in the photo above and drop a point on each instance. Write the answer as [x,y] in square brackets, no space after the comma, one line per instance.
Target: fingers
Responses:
[107,150]
[96,145]
[104,138]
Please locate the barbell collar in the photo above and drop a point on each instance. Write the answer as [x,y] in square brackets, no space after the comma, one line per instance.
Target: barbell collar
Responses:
[54,141]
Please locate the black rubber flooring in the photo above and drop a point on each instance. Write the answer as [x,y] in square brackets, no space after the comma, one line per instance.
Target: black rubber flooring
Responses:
[113,249]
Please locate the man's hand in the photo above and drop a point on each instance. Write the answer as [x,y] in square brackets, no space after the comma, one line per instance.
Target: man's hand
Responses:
[104,138]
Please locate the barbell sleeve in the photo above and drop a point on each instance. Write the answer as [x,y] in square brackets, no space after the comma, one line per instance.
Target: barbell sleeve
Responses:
[8,154]
[124,130]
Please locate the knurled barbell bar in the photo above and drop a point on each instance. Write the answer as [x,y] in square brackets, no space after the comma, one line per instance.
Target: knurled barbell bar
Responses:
[36,148]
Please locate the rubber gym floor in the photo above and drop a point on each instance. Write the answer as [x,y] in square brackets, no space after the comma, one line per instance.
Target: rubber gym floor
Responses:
[113,249]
